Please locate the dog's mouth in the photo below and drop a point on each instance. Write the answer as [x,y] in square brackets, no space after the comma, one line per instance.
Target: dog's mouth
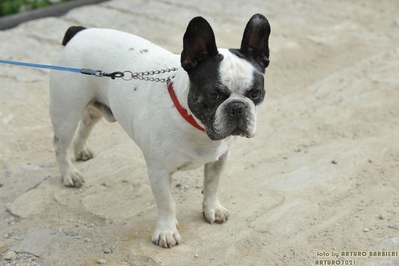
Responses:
[238,131]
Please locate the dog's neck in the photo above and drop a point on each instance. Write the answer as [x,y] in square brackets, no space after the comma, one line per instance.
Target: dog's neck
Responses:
[181,84]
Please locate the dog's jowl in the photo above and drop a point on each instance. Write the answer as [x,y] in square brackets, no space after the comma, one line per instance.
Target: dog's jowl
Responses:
[188,122]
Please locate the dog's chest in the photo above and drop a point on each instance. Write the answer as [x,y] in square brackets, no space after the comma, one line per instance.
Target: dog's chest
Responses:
[197,155]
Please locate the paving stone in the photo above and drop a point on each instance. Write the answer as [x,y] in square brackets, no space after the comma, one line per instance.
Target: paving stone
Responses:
[36,241]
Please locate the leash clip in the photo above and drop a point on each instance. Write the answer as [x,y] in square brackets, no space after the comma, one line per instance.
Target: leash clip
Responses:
[99,73]
[113,75]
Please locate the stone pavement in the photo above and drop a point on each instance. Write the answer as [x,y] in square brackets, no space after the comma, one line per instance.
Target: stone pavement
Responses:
[321,175]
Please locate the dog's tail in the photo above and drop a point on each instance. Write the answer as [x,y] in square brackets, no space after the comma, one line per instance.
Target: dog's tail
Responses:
[72,31]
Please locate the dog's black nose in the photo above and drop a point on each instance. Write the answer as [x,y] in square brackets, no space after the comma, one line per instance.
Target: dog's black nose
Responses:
[236,109]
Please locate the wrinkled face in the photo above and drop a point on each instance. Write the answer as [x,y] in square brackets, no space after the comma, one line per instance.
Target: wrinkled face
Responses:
[225,93]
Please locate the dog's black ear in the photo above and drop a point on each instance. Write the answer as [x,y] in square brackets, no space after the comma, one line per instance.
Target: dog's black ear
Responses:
[255,41]
[198,43]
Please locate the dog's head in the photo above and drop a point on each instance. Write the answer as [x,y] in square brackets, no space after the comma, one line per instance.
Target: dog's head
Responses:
[226,85]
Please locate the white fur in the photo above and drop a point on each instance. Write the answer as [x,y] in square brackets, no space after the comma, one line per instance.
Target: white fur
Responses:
[235,73]
[145,111]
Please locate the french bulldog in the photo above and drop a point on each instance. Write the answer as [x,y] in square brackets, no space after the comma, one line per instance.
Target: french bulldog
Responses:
[188,122]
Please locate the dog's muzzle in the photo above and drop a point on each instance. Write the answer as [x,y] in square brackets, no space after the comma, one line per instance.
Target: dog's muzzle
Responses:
[235,119]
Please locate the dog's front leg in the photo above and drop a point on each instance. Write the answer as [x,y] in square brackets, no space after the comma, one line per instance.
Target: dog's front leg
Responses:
[213,210]
[165,234]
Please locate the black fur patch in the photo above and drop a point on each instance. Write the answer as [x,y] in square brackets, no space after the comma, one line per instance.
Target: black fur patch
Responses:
[72,31]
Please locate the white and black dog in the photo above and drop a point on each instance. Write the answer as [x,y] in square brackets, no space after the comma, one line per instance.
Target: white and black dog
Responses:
[192,121]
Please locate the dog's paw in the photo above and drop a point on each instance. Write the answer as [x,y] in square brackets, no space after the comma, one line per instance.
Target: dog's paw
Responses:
[166,238]
[215,213]
[73,179]
[83,154]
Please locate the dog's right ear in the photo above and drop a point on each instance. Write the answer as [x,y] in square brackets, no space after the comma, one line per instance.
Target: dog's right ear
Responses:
[198,43]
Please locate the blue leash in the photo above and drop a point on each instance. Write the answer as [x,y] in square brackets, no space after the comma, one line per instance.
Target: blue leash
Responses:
[85,71]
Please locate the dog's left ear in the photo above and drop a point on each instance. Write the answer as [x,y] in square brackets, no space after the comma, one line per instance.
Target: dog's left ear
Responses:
[198,43]
[255,41]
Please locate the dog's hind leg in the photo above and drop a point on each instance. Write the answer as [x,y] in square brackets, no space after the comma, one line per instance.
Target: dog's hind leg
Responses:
[63,135]
[65,113]
[93,114]
[81,151]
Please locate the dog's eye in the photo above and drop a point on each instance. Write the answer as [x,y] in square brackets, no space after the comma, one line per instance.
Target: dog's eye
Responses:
[255,94]
[213,96]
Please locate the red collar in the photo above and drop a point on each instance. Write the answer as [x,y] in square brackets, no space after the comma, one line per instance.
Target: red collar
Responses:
[183,112]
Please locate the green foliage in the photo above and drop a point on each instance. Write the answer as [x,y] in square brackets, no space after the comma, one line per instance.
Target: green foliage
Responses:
[8,7]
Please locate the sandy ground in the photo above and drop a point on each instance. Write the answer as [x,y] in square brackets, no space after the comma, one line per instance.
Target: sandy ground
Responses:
[318,184]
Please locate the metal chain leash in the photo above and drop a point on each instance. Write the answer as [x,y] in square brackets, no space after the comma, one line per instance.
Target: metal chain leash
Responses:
[129,75]
[125,75]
